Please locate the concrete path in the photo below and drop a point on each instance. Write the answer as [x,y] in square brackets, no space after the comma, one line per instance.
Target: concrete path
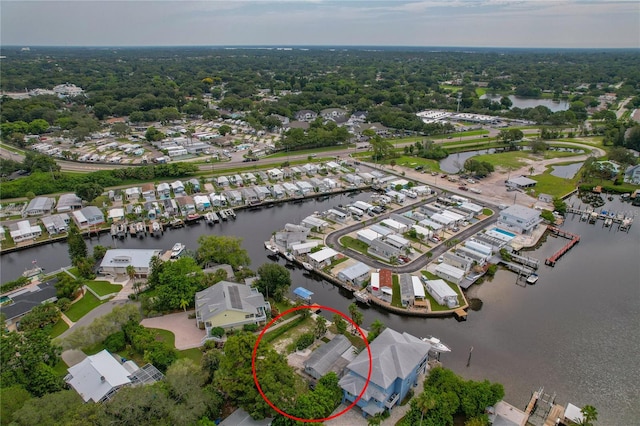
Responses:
[72,357]
[188,335]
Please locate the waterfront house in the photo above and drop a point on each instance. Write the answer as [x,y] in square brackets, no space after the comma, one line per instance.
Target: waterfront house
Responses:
[356,274]
[277,191]
[132,194]
[304,247]
[250,196]
[262,192]
[352,179]
[234,198]
[314,222]
[519,219]
[218,200]
[230,305]
[56,223]
[318,185]
[164,190]
[88,216]
[202,202]
[396,196]
[459,262]
[337,214]
[116,214]
[305,187]
[289,239]
[367,178]
[397,360]
[39,205]
[186,204]
[632,174]
[331,184]
[22,301]
[449,273]
[332,356]
[442,293]
[116,261]
[170,206]
[471,255]
[68,202]
[406,290]
[291,190]
[322,258]
[153,209]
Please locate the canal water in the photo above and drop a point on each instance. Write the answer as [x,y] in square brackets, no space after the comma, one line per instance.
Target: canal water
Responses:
[576,332]
[522,103]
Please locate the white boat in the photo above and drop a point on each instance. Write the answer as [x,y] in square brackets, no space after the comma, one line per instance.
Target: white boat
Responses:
[177,249]
[156,229]
[361,296]
[223,214]
[532,279]
[289,256]
[271,247]
[307,266]
[209,218]
[436,344]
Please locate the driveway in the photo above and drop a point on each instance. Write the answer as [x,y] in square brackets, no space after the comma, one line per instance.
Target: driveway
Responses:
[188,336]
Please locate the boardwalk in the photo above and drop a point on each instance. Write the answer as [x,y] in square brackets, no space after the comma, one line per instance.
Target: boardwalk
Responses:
[575,239]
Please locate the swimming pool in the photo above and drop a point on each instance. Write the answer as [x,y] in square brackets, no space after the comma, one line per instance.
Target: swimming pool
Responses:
[503,232]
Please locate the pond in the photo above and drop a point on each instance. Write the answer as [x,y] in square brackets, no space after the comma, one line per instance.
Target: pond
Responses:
[455,162]
[522,103]
[567,171]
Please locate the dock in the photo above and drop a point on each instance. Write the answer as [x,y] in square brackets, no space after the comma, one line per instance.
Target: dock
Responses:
[515,267]
[591,216]
[575,239]
[531,262]
[460,314]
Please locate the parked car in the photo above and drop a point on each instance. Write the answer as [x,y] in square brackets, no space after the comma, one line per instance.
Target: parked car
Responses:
[463,188]
[419,167]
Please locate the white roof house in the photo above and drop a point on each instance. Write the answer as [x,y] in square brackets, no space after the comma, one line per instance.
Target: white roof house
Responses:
[442,219]
[115,261]
[201,202]
[323,256]
[471,207]
[397,241]
[39,205]
[24,231]
[305,187]
[133,193]
[394,225]
[275,174]
[519,218]
[362,206]
[422,231]
[223,181]
[330,183]
[356,273]
[68,202]
[418,288]
[367,235]
[302,248]
[443,294]
[116,214]
[314,222]
[97,377]
[277,191]
[430,223]
[449,273]
[382,230]
[478,247]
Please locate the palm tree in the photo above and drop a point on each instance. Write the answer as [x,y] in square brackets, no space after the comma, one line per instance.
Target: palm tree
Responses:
[589,415]
[136,287]
[531,170]
[131,271]
[425,402]
[184,304]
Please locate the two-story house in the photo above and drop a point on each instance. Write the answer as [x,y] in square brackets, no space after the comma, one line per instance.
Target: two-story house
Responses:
[397,360]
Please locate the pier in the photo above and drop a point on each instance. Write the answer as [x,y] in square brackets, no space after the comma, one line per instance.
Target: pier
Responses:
[575,239]
[531,262]
[624,220]
[518,268]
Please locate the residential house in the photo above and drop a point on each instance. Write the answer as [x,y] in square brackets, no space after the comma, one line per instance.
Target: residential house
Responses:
[304,247]
[459,262]
[275,174]
[397,361]
[230,305]
[406,290]
[450,273]
[367,178]
[164,190]
[177,187]
[409,221]
[132,194]
[202,202]
[116,261]
[262,176]
[383,250]
[170,206]
[442,293]
[367,235]
[186,204]
[306,115]
[310,169]
[234,198]
[218,200]
[318,185]
[396,196]
[88,216]
[398,242]
[153,209]
[473,208]
[314,222]
[632,174]
[115,195]
[356,274]
[353,179]
[223,181]
[56,223]
[337,214]
[521,182]
[262,192]
[249,178]
[305,187]
[358,116]
[98,377]
[471,255]
[195,183]
[330,183]
[322,258]
[519,218]
[382,284]
[236,180]
[21,302]
[39,205]
[116,214]
[291,190]
[148,191]
[395,226]
[332,356]
[334,114]
[68,202]
[277,191]
[250,196]
[333,166]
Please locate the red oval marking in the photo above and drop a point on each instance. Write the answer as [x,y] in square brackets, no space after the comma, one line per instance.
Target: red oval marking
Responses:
[255,376]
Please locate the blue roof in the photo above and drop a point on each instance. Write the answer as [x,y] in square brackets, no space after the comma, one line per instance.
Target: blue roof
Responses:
[303,292]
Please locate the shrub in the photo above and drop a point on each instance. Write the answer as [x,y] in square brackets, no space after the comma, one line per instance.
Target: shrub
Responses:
[250,327]
[63,304]
[217,331]
[115,342]
[304,341]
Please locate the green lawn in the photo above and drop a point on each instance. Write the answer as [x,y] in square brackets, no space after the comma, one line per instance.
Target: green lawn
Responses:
[435,307]
[165,336]
[412,162]
[61,368]
[480,91]
[354,244]
[553,185]
[395,297]
[83,306]
[58,328]
[487,212]
[102,288]
[453,89]
[506,160]
[194,354]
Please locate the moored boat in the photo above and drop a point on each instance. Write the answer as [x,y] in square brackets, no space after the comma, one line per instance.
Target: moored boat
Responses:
[177,249]
[289,256]
[209,218]
[307,266]
[271,247]
[361,296]
[436,344]
[140,229]
[532,279]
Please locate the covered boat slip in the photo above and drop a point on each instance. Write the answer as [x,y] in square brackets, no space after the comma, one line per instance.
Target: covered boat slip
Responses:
[303,294]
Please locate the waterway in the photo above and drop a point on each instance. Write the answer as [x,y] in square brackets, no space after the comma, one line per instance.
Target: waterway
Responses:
[455,162]
[575,332]
[522,103]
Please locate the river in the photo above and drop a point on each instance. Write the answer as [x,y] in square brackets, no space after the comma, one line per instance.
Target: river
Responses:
[575,332]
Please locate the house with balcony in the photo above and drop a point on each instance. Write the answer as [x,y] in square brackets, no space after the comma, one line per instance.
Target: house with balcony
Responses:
[217,200]
[520,219]
[23,231]
[250,196]
[397,361]
[230,305]
[262,192]
[116,261]
[234,198]
[322,258]
[56,223]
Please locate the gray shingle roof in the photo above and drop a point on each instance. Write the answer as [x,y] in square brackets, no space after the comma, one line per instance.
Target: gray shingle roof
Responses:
[217,299]
[323,358]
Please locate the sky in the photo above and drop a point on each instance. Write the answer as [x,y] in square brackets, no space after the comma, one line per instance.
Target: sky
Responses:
[472,23]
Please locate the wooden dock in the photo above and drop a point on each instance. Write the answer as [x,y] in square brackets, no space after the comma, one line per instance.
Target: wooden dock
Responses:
[460,314]
[575,239]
